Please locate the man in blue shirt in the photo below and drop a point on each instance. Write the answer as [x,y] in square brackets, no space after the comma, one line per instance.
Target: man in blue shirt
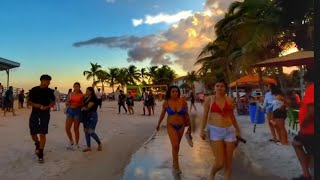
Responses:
[267,107]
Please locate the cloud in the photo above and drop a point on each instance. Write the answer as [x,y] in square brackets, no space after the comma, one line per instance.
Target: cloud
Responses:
[137,22]
[163,18]
[180,44]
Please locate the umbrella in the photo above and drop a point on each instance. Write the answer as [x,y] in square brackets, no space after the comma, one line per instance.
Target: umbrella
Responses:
[251,79]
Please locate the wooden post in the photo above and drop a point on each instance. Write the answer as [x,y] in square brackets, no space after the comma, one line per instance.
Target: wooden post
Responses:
[7,71]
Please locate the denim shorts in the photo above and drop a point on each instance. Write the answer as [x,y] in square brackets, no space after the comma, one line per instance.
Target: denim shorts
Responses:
[73,113]
[225,134]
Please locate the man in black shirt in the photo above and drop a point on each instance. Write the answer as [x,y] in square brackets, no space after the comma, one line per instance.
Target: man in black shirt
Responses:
[121,102]
[41,98]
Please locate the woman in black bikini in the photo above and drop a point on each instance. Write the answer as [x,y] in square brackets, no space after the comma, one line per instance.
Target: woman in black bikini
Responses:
[178,119]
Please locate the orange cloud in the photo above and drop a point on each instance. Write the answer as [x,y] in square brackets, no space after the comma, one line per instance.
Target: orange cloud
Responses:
[191,32]
[169,46]
[196,42]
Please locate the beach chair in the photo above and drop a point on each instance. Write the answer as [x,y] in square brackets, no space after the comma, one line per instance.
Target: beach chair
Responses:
[293,120]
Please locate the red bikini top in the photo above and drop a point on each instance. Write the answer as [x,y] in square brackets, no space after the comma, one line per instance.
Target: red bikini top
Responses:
[216,109]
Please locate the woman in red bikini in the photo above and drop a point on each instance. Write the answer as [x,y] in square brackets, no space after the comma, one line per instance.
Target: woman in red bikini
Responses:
[74,103]
[178,119]
[222,128]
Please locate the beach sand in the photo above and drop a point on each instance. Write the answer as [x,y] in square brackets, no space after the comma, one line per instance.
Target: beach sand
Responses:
[121,135]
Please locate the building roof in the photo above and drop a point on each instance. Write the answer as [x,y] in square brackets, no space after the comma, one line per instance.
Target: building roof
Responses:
[7,64]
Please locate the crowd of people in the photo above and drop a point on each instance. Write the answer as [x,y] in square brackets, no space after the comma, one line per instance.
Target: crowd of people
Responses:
[218,124]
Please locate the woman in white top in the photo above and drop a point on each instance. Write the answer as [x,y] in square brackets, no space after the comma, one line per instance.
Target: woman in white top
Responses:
[279,114]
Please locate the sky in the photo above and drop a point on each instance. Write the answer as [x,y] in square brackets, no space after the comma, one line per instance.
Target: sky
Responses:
[61,38]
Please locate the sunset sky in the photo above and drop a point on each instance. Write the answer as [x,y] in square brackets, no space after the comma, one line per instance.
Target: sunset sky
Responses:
[61,38]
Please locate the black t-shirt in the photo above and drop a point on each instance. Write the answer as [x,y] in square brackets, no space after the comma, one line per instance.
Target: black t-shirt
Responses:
[150,100]
[41,96]
[122,98]
[94,100]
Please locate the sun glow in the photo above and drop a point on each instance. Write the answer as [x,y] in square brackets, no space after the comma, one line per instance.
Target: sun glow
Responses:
[290,50]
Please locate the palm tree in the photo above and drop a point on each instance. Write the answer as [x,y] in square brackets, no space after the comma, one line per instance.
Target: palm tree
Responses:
[103,77]
[191,78]
[246,35]
[164,76]
[143,74]
[123,77]
[133,74]
[151,73]
[93,72]
[113,76]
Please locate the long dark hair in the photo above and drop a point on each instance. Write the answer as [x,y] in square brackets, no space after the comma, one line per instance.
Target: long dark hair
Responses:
[93,94]
[224,83]
[168,94]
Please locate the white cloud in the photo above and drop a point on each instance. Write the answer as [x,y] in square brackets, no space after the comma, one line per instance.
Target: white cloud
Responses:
[110,1]
[137,22]
[165,18]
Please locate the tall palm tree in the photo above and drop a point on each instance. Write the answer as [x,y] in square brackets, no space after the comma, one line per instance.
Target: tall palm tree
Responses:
[151,73]
[143,74]
[103,78]
[93,72]
[164,75]
[113,76]
[244,36]
[191,78]
[123,77]
[133,74]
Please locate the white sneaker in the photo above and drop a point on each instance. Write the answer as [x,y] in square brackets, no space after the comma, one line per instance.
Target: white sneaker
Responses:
[189,139]
[71,147]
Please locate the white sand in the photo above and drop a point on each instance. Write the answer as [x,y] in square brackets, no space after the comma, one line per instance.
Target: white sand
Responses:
[267,157]
[121,136]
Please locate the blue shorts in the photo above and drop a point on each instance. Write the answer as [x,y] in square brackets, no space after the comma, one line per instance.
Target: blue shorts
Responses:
[222,134]
[73,113]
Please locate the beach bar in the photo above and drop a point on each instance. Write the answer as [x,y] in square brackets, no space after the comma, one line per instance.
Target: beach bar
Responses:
[6,65]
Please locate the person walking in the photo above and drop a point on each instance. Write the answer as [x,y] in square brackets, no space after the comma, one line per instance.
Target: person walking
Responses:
[21,99]
[177,119]
[192,99]
[222,128]
[121,101]
[9,101]
[74,103]
[303,143]
[57,96]
[90,119]
[279,114]
[41,99]
[130,102]
[145,100]
[99,97]
[151,102]
[267,107]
